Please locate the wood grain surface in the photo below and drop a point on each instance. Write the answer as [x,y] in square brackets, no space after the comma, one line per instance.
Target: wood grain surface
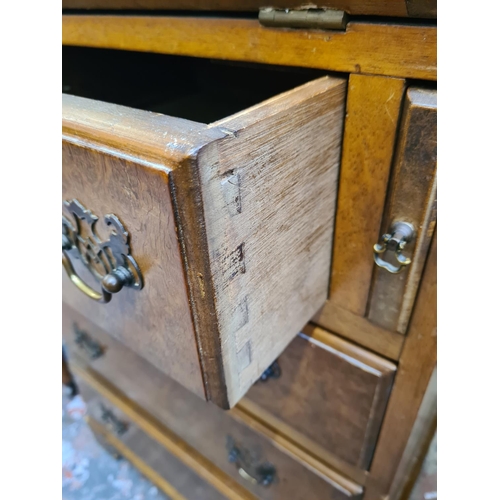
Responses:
[146,454]
[372,117]
[331,391]
[412,198]
[370,48]
[359,330]
[416,367]
[270,189]
[156,321]
[417,446]
[298,446]
[400,8]
[422,8]
[204,427]
[166,439]
[159,140]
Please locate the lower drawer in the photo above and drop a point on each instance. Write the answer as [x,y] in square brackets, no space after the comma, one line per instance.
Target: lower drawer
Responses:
[251,460]
[330,391]
[127,439]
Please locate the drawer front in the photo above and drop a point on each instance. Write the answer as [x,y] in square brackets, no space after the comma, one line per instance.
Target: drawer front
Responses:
[127,439]
[215,222]
[247,457]
[332,392]
[106,184]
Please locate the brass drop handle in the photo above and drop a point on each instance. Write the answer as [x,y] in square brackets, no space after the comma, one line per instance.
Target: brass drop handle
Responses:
[84,341]
[111,283]
[109,261]
[400,234]
[108,417]
[255,473]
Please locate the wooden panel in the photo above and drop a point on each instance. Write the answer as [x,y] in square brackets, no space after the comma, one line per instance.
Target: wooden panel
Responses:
[412,198]
[268,238]
[424,429]
[127,183]
[416,366]
[146,454]
[331,391]
[185,453]
[422,8]
[408,51]
[208,429]
[294,443]
[359,330]
[357,7]
[372,115]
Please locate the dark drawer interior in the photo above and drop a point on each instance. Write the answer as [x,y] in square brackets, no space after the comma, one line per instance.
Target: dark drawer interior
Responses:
[202,90]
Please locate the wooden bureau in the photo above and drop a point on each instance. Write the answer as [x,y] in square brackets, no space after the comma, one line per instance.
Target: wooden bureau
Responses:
[249,244]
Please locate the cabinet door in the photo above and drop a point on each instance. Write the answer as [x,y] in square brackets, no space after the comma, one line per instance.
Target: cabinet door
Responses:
[411,200]
[388,176]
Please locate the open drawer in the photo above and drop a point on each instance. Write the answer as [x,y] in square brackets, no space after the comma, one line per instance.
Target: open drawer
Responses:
[203,248]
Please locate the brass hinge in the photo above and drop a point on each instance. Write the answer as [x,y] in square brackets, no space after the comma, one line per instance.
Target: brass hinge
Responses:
[321,19]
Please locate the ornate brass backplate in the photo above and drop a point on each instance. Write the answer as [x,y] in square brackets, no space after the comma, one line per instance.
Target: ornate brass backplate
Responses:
[109,261]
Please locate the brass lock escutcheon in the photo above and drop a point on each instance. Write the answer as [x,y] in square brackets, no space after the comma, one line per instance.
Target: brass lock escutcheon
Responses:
[110,419]
[400,234]
[109,261]
[85,342]
[249,466]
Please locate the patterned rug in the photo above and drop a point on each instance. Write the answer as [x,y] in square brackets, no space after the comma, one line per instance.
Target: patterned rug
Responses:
[89,472]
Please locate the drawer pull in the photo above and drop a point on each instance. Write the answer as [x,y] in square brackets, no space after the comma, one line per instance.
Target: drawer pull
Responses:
[108,417]
[400,235]
[109,261]
[255,473]
[274,371]
[87,343]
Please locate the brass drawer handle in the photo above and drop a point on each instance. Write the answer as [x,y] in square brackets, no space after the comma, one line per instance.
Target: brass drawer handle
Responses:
[87,343]
[401,233]
[274,371]
[108,417]
[248,468]
[109,261]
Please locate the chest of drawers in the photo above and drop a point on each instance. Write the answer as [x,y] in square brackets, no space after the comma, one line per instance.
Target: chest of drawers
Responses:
[219,194]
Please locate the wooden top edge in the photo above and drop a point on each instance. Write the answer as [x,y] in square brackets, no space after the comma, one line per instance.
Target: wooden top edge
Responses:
[409,51]
[329,341]
[150,136]
[396,8]
[282,102]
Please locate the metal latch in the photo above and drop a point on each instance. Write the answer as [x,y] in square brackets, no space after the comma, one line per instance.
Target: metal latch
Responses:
[321,19]
[400,234]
